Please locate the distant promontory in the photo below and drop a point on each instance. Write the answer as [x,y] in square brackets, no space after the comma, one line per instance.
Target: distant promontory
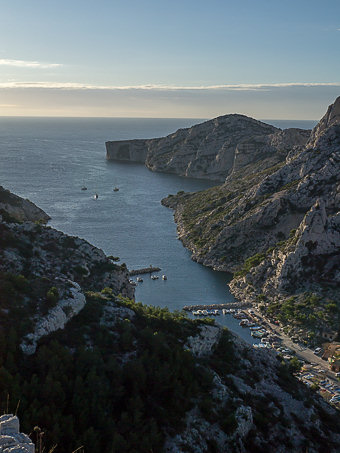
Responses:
[211,150]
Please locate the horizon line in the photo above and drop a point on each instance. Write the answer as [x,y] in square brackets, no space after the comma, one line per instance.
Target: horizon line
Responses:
[155,117]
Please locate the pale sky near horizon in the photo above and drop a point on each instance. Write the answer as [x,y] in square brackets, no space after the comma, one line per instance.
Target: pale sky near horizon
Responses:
[195,59]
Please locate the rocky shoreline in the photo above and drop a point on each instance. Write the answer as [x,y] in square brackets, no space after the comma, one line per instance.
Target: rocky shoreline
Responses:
[277,230]
[215,149]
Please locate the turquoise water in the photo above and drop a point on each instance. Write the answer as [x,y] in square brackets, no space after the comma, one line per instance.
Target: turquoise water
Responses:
[48,160]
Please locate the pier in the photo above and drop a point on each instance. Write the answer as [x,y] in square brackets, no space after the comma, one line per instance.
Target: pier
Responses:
[145,270]
[217,306]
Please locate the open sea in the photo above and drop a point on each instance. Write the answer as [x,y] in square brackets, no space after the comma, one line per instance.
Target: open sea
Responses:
[48,160]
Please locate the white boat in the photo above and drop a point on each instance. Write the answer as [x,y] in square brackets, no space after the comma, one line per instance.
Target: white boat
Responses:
[139,279]
[224,311]
[164,277]
[95,196]
[116,189]
[154,277]
[132,282]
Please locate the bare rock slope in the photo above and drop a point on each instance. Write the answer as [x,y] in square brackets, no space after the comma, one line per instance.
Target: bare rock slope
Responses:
[277,228]
[213,149]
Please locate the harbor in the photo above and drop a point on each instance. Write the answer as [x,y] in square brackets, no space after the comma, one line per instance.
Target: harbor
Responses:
[144,270]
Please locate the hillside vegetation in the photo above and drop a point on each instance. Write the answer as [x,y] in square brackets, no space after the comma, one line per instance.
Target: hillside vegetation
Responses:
[90,367]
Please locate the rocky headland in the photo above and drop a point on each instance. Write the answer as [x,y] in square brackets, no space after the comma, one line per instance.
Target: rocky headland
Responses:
[212,150]
[277,230]
[90,367]
[11,439]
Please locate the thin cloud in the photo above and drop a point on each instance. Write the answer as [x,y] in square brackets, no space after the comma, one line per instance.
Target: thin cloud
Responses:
[227,87]
[28,64]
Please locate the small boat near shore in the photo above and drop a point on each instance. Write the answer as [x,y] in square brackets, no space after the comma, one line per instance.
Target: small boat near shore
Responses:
[154,277]
[164,277]
[139,279]
[258,334]
[132,282]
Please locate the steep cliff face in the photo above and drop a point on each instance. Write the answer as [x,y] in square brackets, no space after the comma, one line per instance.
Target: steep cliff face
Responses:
[278,227]
[225,225]
[213,150]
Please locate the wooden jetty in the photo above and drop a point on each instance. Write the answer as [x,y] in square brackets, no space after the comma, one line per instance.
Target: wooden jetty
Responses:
[145,270]
[217,306]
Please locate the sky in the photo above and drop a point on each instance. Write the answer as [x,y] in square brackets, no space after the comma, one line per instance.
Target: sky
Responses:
[172,59]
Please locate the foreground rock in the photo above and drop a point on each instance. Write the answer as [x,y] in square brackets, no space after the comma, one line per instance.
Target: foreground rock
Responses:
[11,439]
[212,150]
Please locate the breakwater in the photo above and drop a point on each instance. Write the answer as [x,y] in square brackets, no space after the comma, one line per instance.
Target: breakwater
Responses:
[145,270]
[217,306]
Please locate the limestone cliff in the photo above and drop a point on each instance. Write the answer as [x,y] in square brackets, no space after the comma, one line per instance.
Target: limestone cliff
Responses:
[259,224]
[213,150]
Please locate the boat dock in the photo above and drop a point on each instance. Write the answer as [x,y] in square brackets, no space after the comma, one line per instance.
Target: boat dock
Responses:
[217,306]
[145,270]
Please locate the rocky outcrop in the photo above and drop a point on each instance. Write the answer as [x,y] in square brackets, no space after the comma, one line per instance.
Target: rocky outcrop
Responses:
[55,319]
[12,206]
[11,439]
[225,225]
[213,150]
[50,272]
[277,228]
[331,118]
[127,150]
[308,258]
[203,343]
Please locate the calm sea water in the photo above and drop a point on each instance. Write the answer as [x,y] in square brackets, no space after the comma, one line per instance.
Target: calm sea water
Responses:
[48,160]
